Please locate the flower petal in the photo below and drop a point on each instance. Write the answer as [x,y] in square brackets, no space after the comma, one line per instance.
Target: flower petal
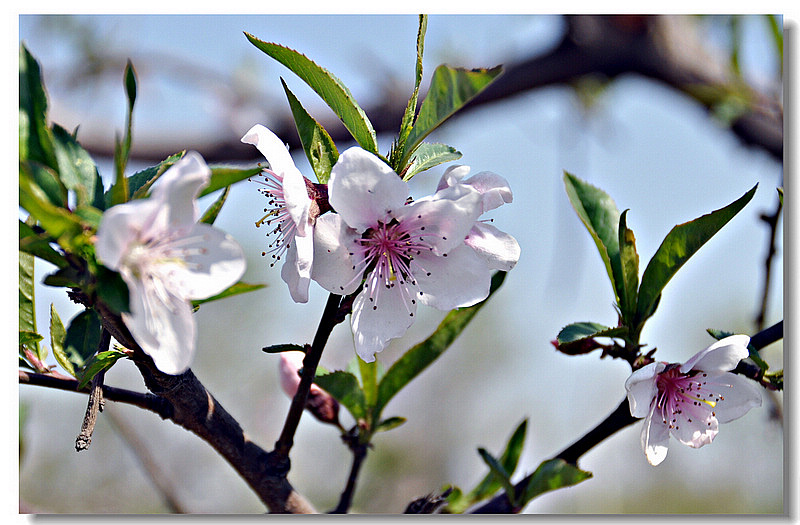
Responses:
[445,222]
[211,262]
[722,356]
[641,388]
[291,362]
[296,270]
[177,190]
[363,189]
[739,396]
[375,323]
[499,249]
[655,438]
[162,325]
[460,278]
[333,267]
[695,426]
[120,227]
[452,176]
[493,188]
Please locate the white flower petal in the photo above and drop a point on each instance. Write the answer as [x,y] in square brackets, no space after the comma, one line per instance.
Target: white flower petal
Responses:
[722,356]
[655,438]
[296,270]
[120,228]
[273,149]
[459,279]
[493,188]
[388,316]
[500,250]
[446,222]
[739,397]
[177,190]
[452,176]
[363,189]
[641,388]
[334,267]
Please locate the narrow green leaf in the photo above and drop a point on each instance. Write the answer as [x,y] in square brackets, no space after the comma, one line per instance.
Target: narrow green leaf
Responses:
[576,338]
[328,87]
[368,373]
[130,84]
[82,338]
[98,363]
[499,473]
[29,339]
[600,215]
[678,246]
[416,359]
[754,355]
[223,176]
[57,336]
[344,387]
[57,222]
[491,484]
[411,109]
[76,168]
[428,155]
[451,88]
[27,301]
[389,424]
[276,349]
[318,145]
[119,192]
[234,289]
[211,214]
[550,475]
[36,142]
[629,262]
[48,180]
[139,183]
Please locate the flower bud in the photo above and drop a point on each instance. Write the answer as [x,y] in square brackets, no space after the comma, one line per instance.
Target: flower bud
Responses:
[320,403]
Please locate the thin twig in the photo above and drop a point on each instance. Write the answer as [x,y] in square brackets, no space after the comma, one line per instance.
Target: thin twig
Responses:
[772,223]
[310,363]
[95,404]
[346,499]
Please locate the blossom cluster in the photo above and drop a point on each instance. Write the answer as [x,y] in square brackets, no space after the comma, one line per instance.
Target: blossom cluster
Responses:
[389,251]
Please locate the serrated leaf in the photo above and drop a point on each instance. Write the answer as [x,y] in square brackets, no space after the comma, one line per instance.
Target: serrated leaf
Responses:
[344,387]
[678,246]
[27,301]
[450,89]
[57,336]
[234,289]
[82,338]
[35,136]
[550,475]
[600,215]
[629,266]
[754,355]
[416,359]
[428,155]
[288,347]
[98,363]
[28,338]
[76,169]
[328,87]
[317,143]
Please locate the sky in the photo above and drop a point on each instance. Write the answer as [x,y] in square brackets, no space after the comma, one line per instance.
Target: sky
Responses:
[655,152]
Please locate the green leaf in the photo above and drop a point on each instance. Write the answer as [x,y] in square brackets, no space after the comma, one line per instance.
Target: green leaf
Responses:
[416,359]
[499,473]
[344,387]
[754,355]
[48,181]
[99,363]
[629,262]
[575,338]
[38,246]
[411,108]
[27,301]
[112,290]
[77,169]
[223,176]
[139,183]
[82,338]
[328,87]
[212,212]
[389,424]
[369,373]
[600,215]
[59,223]
[36,142]
[451,88]
[318,145]
[550,475]
[678,246]
[428,155]
[276,349]
[119,192]
[491,484]
[234,289]
[57,336]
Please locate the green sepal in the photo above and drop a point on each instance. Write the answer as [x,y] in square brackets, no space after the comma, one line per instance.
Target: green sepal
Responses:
[328,87]
[678,246]
[317,143]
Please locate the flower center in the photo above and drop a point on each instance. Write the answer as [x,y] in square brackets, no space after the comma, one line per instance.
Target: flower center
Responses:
[277,215]
[686,396]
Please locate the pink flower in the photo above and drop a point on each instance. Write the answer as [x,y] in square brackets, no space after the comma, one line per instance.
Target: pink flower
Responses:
[288,209]
[689,400]
[167,259]
[402,252]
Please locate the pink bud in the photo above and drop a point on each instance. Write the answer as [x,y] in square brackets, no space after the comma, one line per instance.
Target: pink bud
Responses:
[319,403]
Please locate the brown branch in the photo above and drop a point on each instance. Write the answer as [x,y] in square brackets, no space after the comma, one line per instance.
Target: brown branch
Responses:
[95,404]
